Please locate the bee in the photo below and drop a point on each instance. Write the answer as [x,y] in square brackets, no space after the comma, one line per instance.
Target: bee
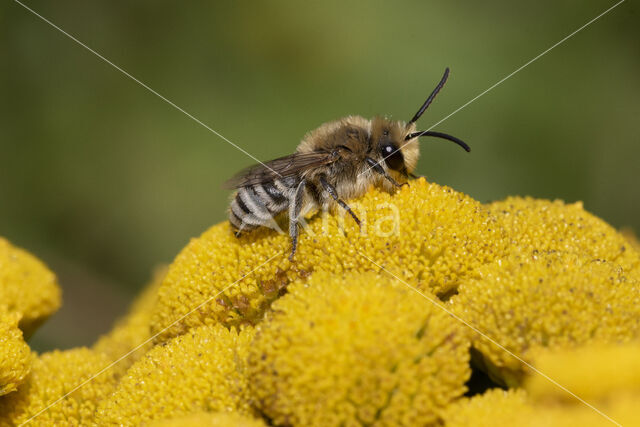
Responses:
[338,161]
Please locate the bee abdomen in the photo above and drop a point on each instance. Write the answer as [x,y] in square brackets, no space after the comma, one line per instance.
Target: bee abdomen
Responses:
[256,205]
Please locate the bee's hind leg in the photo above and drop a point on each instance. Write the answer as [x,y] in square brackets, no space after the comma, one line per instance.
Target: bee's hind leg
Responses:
[237,229]
[294,212]
[334,194]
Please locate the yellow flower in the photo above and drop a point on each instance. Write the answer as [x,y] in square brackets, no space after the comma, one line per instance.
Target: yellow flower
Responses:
[132,331]
[15,357]
[606,376]
[515,408]
[207,419]
[621,409]
[429,235]
[593,372]
[201,370]
[546,300]
[357,349]
[544,225]
[496,407]
[52,376]
[27,287]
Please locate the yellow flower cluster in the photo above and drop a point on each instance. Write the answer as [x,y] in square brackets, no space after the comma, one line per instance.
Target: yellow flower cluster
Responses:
[202,370]
[27,287]
[428,235]
[233,333]
[15,357]
[357,349]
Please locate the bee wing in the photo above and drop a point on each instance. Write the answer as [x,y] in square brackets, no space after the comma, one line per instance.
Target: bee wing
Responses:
[290,165]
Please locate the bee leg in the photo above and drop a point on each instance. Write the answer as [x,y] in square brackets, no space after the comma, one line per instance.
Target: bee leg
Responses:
[294,212]
[379,169]
[334,194]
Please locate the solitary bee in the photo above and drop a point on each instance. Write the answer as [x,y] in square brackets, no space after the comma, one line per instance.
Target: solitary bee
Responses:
[333,163]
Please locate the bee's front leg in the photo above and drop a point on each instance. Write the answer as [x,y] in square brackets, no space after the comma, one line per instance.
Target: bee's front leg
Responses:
[295,206]
[379,169]
[334,194]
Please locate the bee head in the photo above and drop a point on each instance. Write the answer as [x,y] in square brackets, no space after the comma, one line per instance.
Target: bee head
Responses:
[395,140]
[392,149]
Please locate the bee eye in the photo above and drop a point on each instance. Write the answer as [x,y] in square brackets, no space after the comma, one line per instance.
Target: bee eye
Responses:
[393,157]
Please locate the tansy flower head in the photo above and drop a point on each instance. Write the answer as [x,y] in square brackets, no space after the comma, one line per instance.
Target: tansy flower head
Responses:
[538,225]
[357,349]
[15,357]
[52,376]
[202,370]
[594,372]
[618,410]
[550,300]
[496,407]
[27,287]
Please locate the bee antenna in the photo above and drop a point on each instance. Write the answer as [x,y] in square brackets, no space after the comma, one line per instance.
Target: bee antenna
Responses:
[448,137]
[429,100]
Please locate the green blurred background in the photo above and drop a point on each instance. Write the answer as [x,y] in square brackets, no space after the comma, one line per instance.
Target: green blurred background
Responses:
[103,180]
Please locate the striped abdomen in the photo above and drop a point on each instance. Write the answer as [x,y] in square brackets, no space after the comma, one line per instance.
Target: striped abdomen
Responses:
[257,205]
